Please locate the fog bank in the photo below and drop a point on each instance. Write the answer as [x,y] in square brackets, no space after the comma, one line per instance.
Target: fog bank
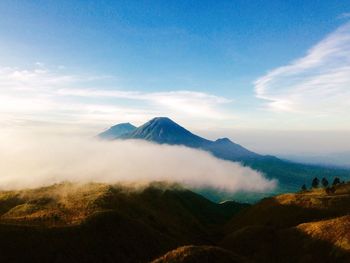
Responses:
[33,160]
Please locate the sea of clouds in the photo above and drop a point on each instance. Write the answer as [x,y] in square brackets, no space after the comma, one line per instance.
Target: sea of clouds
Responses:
[36,159]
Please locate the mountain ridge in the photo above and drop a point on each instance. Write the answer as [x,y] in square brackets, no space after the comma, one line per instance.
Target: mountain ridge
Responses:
[163,130]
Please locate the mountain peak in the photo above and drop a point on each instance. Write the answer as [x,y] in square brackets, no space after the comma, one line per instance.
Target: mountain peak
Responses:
[161,119]
[123,124]
[223,140]
[165,130]
[162,122]
[117,130]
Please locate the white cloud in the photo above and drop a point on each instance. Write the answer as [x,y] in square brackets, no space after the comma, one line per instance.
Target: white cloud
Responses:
[317,84]
[26,161]
[43,94]
[189,102]
[344,15]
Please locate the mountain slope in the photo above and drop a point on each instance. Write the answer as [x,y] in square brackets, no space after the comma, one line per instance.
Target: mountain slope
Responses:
[116,131]
[224,148]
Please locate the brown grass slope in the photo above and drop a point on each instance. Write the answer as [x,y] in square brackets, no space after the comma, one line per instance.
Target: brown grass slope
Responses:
[200,254]
[311,226]
[104,223]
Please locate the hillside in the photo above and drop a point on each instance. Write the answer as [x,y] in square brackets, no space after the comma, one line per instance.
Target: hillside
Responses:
[200,254]
[104,223]
[167,223]
[311,226]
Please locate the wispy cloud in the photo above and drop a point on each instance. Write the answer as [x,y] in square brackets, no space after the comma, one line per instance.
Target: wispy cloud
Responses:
[183,101]
[344,15]
[318,83]
[43,94]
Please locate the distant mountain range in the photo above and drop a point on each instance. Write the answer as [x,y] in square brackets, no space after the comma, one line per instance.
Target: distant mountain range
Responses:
[163,130]
[337,159]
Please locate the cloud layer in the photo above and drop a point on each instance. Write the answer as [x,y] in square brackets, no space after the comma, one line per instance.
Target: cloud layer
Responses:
[30,161]
[317,84]
[51,95]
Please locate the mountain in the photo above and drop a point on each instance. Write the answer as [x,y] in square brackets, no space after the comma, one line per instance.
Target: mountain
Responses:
[291,175]
[116,131]
[165,131]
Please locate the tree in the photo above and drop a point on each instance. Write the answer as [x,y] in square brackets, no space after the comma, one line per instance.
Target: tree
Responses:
[325,182]
[336,181]
[303,188]
[315,182]
[330,190]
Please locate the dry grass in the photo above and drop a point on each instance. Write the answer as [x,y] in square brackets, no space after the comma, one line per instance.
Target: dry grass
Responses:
[335,231]
[60,204]
[105,223]
[311,226]
[200,254]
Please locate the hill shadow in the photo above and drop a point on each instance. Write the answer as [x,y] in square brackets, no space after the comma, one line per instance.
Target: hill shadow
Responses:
[270,232]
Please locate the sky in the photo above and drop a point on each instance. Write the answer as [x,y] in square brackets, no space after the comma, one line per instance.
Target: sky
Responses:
[271,75]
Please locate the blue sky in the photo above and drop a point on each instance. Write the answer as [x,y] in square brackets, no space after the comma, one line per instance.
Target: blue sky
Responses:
[210,65]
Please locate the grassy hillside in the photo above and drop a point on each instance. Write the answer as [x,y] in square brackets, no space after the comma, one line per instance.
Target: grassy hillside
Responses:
[311,226]
[200,254]
[105,223]
[166,223]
